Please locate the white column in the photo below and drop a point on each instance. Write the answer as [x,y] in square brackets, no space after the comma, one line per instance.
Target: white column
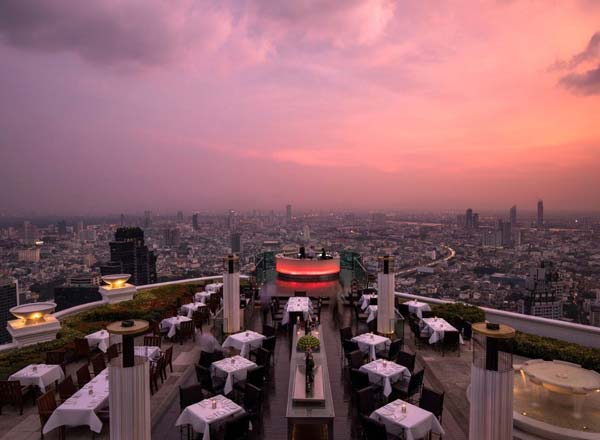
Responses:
[129,400]
[385,296]
[491,413]
[231,295]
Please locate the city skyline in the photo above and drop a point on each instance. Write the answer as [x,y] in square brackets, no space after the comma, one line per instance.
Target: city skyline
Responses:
[334,105]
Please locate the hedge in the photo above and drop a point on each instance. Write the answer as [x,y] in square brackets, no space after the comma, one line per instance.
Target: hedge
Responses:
[148,304]
[451,312]
[540,347]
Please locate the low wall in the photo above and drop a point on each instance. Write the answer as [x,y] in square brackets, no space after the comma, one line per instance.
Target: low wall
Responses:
[585,335]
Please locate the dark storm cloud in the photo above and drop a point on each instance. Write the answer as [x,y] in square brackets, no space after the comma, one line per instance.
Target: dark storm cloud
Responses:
[100,32]
[582,83]
[587,83]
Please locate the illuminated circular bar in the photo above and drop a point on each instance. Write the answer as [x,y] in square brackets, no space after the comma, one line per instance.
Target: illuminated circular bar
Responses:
[307,269]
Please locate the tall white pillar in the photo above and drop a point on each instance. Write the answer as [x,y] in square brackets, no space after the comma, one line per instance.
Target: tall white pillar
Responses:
[385,296]
[492,378]
[129,386]
[231,295]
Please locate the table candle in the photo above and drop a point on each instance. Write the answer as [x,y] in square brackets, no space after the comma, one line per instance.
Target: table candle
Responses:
[403,407]
[247,334]
[91,391]
[214,404]
[233,360]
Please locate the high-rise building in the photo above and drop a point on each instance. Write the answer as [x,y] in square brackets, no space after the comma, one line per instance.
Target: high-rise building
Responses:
[475,220]
[147,219]
[30,255]
[129,254]
[78,289]
[171,237]
[540,214]
[545,290]
[78,228]
[62,227]
[469,218]
[506,233]
[306,233]
[288,213]
[180,217]
[195,221]
[9,290]
[122,219]
[231,220]
[236,243]
[513,216]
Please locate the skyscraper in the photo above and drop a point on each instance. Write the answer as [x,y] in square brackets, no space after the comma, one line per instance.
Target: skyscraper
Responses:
[231,220]
[147,219]
[129,254]
[545,290]
[62,227]
[195,221]
[8,299]
[236,243]
[513,216]
[122,219]
[171,237]
[179,217]
[469,218]
[540,214]
[288,213]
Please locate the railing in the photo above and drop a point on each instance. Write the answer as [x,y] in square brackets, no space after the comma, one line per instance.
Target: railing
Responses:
[91,305]
[585,335]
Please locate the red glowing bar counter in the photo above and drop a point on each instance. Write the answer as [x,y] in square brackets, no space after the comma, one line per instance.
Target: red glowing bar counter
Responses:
[292,268]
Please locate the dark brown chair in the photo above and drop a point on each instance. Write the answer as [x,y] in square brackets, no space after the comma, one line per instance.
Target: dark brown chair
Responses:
[268,330]
[414,387]
[237,428]
[11,392]
[57,357]
[152,341]
[83,375]
[186,331]
[357,359]
[432,402]
[201,316]
[82,349]
[46,404]
[407,360]
[372,429]
[212,385]
[253,403]
[98,364]
[451,342]
[188,396]
[169,358]
[391,352]
[112,352]
[366,401]
[66,388]
[427,314]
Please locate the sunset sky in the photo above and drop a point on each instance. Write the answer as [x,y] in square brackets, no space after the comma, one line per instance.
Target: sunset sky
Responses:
[110,106]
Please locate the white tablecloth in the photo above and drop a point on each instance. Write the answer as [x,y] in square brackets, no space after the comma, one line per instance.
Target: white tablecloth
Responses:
[173,324]
[202,296]
[365,299]
[80,409]
[213,287]
[382,372]
[369,343]
[234,367]
[372,311]
[244,342]
[435,328]
[42,377]
[200,415]
[152,353]
[100,339]
[415,422]
[190,308]
[297,304]
[417,308]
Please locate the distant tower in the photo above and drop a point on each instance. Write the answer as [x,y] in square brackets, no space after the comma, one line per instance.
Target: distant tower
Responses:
[195,221]
[306,233]
[179,217]
[231,220]
[540,214]
[513,216]
[122,219]
[288,213]
[469,218]
[236,243]
[129,254]
[475,220]
[147,218]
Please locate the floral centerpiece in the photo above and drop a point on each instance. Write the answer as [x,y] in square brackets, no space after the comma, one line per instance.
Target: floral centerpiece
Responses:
[308,342]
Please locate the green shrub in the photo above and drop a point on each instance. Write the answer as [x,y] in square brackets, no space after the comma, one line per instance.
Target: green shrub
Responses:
[148,305]
[452,311]
[540,347]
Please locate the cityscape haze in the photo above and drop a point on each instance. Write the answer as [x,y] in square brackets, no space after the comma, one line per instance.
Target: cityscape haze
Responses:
[266,219]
